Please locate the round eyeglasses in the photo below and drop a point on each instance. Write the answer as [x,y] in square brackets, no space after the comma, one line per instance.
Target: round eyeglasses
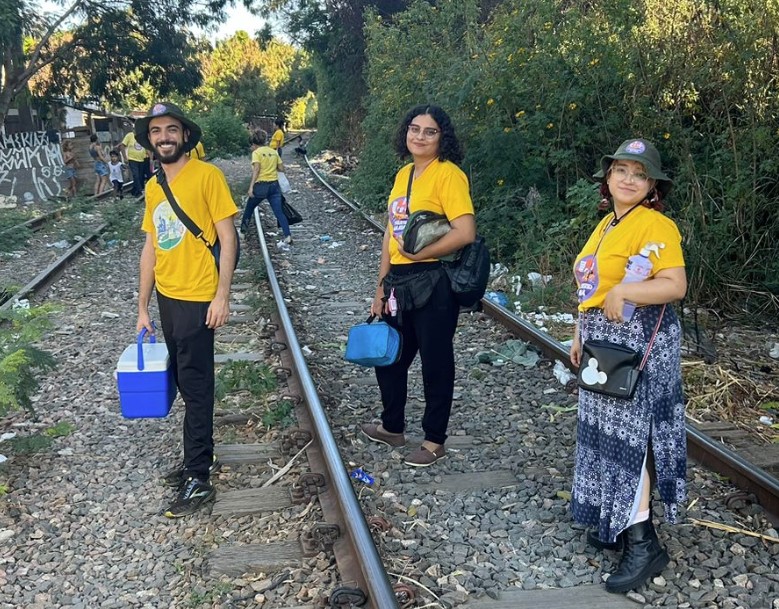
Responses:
[624,175]
[427,133]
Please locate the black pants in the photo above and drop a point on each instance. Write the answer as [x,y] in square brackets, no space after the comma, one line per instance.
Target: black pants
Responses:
[191,349]
[428,330]
[140,172]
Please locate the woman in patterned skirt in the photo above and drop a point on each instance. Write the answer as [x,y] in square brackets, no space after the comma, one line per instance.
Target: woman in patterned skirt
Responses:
[620,441]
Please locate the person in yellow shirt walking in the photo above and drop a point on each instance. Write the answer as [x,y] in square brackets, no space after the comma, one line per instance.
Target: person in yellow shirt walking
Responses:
[277,141]
[138,161]
[266,165]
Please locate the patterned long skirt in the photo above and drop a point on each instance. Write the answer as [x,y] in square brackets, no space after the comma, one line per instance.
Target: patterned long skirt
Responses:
[613,435]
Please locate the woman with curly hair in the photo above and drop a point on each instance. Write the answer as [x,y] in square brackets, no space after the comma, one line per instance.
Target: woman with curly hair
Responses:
[624,444]
[413,292]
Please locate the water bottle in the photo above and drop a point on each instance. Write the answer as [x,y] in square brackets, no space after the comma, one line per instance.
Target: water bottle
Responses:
[638,268]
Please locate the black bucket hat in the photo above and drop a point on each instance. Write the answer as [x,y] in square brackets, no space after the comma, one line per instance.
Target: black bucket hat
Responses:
[641,151]
[167,109]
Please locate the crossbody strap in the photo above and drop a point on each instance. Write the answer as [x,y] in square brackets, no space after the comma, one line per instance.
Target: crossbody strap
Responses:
[193,228]
[408,190]
[652,340]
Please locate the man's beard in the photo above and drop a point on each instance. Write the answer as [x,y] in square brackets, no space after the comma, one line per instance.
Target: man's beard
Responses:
[174,156]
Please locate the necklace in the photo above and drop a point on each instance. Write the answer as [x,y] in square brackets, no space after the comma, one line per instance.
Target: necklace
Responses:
[616,220]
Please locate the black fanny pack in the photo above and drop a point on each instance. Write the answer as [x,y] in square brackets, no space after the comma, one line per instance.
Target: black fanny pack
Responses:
[413,289]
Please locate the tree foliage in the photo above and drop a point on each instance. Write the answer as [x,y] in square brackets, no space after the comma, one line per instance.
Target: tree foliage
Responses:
[102,48]
[332,32]
[253,78]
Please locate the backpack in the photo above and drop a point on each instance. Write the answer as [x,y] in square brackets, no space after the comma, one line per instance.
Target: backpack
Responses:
[470,272]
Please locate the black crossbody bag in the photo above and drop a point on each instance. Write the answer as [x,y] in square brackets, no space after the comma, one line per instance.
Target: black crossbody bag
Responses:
[613,369]
[193,228]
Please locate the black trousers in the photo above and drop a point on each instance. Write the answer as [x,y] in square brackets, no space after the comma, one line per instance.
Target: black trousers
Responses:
[140,173]
[428,330]
[191,349]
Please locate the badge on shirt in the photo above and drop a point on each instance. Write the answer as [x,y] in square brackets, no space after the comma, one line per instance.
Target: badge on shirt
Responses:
[398,215]
[586,272]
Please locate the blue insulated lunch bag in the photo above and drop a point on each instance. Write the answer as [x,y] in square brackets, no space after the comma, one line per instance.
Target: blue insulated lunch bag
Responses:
[372,344]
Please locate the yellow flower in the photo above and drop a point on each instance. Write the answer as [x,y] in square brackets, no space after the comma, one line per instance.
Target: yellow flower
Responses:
[490,101]
[572,106]
[500,182]
[594,62]
[520,114]
[508,130]
[549,125]
[666,136]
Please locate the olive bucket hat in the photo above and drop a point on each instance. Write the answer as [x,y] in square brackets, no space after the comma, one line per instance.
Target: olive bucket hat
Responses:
[166,109]
[641,151]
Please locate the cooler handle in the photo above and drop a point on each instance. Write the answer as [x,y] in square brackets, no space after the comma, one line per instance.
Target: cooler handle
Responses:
[152,339]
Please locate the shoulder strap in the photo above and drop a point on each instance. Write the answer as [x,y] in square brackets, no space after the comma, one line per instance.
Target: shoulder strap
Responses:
[408,190]
[180,213]
[652,340]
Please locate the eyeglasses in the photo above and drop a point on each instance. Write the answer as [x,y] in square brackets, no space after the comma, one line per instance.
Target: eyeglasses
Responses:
[622,174]
[428,132]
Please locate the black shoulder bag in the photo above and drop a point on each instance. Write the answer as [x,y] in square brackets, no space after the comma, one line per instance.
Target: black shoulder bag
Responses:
[613,369]
[191,226]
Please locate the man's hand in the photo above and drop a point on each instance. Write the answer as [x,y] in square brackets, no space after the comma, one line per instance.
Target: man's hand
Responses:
[218,312]
[144,321]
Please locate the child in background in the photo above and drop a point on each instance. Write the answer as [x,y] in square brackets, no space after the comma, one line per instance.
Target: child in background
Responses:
[116,173]
[71,164]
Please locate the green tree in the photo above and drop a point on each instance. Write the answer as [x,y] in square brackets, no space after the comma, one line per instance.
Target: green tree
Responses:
[253,79]
[91,45]
[332,32]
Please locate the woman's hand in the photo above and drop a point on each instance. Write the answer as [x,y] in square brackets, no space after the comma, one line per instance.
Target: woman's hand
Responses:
[576,351]
[404,253]
[614,304]
[378,305]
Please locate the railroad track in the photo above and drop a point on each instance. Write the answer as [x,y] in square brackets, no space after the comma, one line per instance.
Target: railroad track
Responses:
[55,265]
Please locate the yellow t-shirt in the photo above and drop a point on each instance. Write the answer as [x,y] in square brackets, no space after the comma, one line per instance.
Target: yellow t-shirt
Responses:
[595,276]
[185,268]
[277,140]
[135,152]
[442,188]
[269,162]
[198,152]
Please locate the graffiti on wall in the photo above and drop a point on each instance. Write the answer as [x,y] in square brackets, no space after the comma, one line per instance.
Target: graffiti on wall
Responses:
[31,167]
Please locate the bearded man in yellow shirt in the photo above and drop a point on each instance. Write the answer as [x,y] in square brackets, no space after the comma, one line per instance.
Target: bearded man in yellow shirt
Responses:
[193,294]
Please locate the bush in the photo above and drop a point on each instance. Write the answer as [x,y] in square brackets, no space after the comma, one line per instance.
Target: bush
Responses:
[21,363]
[223,132]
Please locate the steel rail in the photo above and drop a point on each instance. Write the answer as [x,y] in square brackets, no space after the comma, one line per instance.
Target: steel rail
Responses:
[380,592]
[703,449]
[55,214]
[43,277]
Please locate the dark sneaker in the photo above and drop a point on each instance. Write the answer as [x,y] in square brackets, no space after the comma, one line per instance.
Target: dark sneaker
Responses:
[193,495]
[383,437]
[175,477]
[422,457]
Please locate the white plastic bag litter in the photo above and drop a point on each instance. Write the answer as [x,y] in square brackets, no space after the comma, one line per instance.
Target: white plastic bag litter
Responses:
[562,373]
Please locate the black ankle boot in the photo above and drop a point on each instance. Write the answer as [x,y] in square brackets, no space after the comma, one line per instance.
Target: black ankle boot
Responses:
[642,558]
[595,542]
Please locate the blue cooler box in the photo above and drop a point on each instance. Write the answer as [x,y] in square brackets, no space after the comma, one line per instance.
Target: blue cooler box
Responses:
[145,380]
